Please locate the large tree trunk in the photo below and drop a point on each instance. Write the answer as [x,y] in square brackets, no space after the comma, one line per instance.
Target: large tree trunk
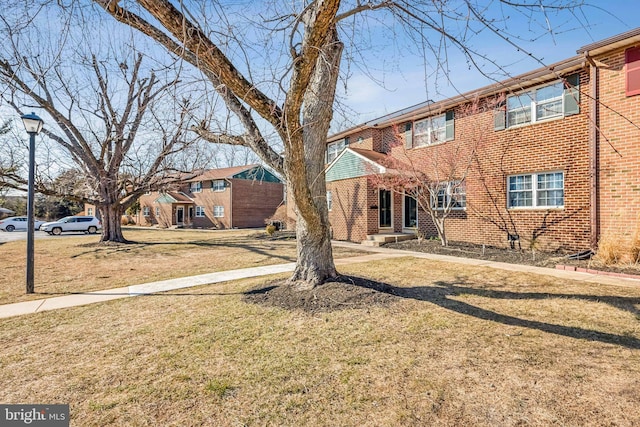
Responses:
[315,256]
[111,226]
[111,211]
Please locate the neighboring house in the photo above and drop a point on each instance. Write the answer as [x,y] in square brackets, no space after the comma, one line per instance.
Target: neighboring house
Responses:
[235,197]
[556,164]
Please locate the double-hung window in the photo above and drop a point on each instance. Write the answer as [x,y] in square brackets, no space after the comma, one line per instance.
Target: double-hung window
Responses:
[538,190]
[329,200]
[450,195]
[199,211]
[430,131]
[558,99]
[335,148]
[217,185]
[536,105]
[218,211]
[146,211]
[157,212]
[196,187]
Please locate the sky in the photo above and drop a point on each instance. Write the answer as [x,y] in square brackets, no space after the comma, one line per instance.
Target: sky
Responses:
[406,86]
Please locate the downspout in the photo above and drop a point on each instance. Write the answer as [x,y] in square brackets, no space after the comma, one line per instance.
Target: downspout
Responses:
[230,203]
[593,152]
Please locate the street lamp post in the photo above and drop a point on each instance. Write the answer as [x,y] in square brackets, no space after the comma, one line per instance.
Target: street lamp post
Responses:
[33,125]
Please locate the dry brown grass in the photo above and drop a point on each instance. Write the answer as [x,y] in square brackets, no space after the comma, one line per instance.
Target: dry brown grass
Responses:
[617,249]
[74,264]
[464,346]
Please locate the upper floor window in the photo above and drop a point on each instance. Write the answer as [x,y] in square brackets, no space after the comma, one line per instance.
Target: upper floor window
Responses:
[632,71]
[217,185]
[146,211]
[538,190]
[431,130]
[196,187]
[335,148]
[450,195]
[558,99]
[533,106]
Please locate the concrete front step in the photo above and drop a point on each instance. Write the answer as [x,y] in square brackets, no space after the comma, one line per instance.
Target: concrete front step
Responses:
[381,239]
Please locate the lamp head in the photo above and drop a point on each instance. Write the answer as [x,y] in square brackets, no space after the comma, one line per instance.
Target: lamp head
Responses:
[32,123]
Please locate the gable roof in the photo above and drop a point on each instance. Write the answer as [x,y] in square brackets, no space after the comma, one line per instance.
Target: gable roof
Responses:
[252,172]
[354,163]
[173,197]
[222,173]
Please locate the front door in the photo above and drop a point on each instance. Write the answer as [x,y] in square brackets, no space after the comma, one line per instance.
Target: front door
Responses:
[410,217]
[180,215]
[385,209]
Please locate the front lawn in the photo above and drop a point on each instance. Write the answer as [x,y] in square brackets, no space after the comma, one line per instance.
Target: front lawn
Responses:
[76,264]
[449,345]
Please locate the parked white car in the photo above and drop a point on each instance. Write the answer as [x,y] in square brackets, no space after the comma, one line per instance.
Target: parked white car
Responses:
[18,223]
[88,224]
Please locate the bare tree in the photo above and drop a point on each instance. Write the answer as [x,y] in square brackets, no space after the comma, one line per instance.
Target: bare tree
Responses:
[436,179]
[115,119]
[298,97]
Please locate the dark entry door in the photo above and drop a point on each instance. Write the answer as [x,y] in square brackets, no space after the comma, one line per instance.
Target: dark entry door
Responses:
[180,215]
[410,212]
[385,209]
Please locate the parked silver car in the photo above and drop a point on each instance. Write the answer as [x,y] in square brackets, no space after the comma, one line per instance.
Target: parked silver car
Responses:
[18,223]
[88,224]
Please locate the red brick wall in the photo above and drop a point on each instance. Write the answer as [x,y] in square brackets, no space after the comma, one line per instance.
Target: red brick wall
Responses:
[167,214]
[254,201]
[618,150]
[352,216]
[208,199]
[555,145]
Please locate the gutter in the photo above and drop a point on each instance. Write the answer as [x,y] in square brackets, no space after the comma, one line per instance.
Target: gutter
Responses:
[427,108]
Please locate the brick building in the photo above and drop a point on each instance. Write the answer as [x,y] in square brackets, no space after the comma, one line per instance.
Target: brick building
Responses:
[235,197]
[550,158]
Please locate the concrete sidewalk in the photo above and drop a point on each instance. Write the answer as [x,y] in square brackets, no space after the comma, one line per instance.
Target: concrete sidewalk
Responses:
[377,253]
[84,298]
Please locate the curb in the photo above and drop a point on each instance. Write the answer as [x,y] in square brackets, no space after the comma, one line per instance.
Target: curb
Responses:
[596,272]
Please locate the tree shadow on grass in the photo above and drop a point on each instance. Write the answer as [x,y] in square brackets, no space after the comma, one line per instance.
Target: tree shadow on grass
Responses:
[442,294]
[132,247]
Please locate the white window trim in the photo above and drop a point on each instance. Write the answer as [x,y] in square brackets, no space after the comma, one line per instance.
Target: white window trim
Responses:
[448,187]
[533,105]
[430,131]
[200,211]
[196,187]
[534,192]
[329,200]
[146,211]
[157,211]
[216,211]
[335,148]
[213,188]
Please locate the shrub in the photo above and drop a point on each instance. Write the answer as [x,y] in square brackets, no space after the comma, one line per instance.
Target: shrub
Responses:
[270,229]
[610,249]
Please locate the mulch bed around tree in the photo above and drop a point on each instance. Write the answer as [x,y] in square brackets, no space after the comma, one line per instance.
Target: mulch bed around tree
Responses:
[344,292]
